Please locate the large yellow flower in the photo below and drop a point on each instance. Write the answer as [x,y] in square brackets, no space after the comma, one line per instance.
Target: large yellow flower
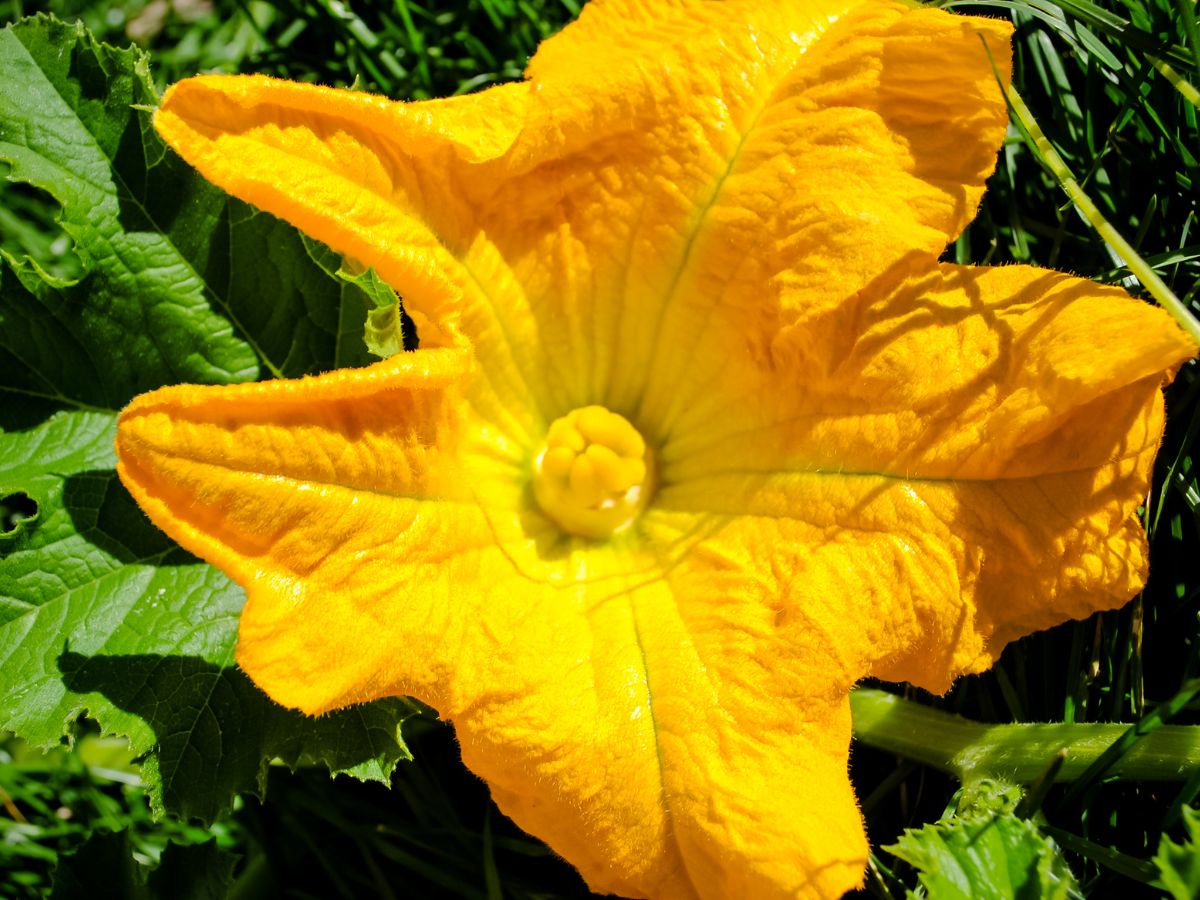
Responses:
[700,431]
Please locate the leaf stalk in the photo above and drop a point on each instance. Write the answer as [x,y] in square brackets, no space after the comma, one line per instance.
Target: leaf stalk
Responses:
[1022,752]
[1150,280]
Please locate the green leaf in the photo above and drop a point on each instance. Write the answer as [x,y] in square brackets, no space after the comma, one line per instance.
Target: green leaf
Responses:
[353,305]
[275,292]
[99,611]
[1096,46]
[191,284]
[385,328]
[1179,864]
[104,866]
[67,127]
[388,330]
[996,856]
[984,797]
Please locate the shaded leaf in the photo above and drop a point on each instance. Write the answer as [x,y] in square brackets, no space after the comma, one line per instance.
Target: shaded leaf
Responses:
[104,866]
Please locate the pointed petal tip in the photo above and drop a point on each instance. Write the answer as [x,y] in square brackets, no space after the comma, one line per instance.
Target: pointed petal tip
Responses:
[259,659]
[1185,348]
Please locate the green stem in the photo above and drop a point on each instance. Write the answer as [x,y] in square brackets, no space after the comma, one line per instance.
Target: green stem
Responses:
[1022,752]
[1155,286]
[1187,15]
[1185,88]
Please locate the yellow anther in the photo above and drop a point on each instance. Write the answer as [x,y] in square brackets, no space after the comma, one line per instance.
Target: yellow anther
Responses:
[557,462]
[629,444]
[585,487]
[597,424]
[607,468]
[563,433]
[592,476]
[637,468]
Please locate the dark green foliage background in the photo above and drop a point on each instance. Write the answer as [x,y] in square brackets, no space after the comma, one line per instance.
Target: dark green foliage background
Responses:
[1131,139]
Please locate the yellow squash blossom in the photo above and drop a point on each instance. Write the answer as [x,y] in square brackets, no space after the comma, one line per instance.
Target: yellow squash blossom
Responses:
[699,433]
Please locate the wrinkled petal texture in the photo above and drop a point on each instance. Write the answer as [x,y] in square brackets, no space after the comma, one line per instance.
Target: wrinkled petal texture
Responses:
[722,221]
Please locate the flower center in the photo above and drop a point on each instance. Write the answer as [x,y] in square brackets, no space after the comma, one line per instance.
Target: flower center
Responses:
[594,474]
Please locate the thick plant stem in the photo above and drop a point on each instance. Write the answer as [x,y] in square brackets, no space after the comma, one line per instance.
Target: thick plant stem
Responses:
[1154,285]
[1020,753]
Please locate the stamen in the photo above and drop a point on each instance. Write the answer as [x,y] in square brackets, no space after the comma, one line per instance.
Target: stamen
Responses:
[593,476]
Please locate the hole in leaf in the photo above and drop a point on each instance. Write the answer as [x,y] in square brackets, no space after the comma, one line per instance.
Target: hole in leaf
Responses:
[33,230]
[15,509]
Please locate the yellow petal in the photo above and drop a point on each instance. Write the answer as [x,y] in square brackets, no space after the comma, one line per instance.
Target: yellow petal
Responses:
[322,497]
[674,182]
[658,757]
[966,472]
[720,169]
[337,501]
[720,222]
[379,181]
[371,177]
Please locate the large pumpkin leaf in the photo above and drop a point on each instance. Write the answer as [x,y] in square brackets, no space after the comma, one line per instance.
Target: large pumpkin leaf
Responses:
[100,612]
